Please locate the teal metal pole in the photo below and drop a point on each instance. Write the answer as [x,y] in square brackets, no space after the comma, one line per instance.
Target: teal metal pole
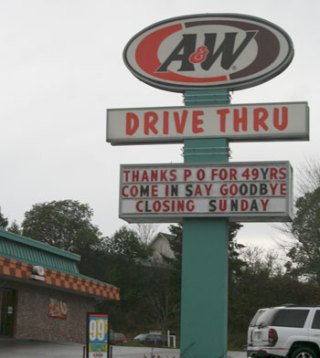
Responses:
[204,305]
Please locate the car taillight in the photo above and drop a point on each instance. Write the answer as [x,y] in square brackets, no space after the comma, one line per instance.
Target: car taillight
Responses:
[272,337]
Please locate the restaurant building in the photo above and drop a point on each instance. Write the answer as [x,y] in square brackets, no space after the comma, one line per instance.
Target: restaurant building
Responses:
[43,296]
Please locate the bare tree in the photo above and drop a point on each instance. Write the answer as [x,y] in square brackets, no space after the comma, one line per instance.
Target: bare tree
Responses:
[307,181]
[257,260]
[146,232]
[308,176]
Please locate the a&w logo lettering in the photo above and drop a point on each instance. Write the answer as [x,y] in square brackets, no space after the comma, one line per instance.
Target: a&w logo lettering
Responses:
[187,53]
[208,51]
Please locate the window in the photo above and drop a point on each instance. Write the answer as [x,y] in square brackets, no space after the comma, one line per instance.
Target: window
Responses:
[316,320]
[256,316]
[266,318]
[290,318]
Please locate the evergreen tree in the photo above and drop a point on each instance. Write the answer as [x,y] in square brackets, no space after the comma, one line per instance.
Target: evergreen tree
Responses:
[305,228]
[3,221]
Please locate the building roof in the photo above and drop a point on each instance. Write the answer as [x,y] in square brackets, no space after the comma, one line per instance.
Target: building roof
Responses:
[160,236]
[161,249]
[19,255]
[35,252]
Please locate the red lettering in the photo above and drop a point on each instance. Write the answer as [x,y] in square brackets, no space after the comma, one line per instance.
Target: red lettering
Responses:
[154,190]
[156,206]
[163,175]
[124,192]
[273,173]
[150,120]
[260,115]
[201,174]
[197,191]
[233,173]
[135,174]
[166,206]
[154,175]
[273,188]
[223,205]
[283,173]
[173,174]
[280,125]
[180,123]
[126,175]
[214,173]
[208,188]
[234,189]
[244,205]
[240,119]
[283,189]
[138,206]
[197,122]
[132,123]
[224,189]
[186,174]
[165,122]
[264,203]
[223,174]
[145,176]
[180,205]
[223,116]
[190,205]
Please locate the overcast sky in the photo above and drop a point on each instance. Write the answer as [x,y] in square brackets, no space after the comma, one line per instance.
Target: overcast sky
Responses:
[61,67]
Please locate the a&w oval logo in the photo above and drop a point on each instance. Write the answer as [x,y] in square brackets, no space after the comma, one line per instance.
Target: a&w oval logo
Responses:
[209,51]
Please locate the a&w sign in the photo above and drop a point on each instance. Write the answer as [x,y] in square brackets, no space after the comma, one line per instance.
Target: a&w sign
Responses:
[205,51]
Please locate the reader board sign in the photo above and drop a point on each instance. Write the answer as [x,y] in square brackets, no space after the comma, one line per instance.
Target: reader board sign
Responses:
[97,335]
[204,51]
[241,122]
[248,192]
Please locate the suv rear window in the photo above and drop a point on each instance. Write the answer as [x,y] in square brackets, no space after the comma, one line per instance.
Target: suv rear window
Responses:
[290,318]
[283,317]
[316,320]
[256,316]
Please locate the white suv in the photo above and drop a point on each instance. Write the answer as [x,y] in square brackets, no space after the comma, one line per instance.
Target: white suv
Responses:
[286,331]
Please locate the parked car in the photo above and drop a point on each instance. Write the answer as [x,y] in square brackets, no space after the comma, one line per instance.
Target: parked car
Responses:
[117,338]
[154,339]
[287,331]
[140,337]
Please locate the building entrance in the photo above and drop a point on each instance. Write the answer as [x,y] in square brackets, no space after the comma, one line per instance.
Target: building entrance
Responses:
[7,311]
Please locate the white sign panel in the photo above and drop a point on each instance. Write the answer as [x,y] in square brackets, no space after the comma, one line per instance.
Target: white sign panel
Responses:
[260,191]
[243,122]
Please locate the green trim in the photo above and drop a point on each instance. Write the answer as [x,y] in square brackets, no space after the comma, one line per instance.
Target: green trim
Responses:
[206,97]
[39,245]
[34,252]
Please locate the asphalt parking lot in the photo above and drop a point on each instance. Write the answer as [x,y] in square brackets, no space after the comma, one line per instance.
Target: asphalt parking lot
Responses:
[33,349]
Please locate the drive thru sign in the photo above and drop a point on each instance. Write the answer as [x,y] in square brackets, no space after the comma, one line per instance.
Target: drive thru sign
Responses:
[206,56]
[242,122]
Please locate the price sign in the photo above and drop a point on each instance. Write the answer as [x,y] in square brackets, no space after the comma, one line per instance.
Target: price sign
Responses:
[97,335]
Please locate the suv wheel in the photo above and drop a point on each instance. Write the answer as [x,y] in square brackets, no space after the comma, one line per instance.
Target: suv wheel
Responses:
[304,352]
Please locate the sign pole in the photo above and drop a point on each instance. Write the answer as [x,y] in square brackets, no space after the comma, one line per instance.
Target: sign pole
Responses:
[204,291]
